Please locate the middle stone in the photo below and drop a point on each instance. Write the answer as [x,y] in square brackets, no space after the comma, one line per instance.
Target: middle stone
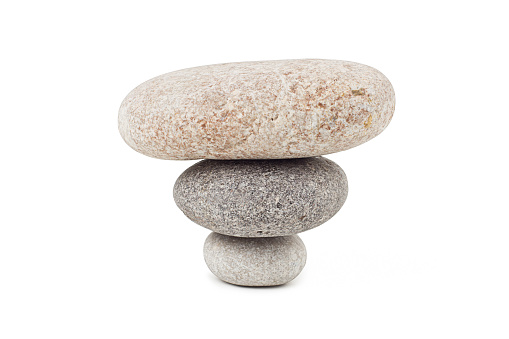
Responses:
[261,198]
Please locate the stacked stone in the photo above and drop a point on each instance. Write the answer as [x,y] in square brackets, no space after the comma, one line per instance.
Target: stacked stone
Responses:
[262,128]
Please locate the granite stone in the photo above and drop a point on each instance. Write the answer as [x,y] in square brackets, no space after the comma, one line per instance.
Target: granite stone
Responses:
[255,261]
[257,110]
[261,198]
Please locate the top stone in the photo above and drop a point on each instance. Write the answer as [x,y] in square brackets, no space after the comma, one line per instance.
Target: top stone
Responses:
[257,110]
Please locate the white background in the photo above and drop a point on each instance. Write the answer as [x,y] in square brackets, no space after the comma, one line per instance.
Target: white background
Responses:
[93,246]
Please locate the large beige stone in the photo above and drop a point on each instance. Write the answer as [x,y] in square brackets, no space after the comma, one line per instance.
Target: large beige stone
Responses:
[257,110]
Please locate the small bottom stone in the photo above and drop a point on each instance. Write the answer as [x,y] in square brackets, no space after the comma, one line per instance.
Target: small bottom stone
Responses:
[255,261]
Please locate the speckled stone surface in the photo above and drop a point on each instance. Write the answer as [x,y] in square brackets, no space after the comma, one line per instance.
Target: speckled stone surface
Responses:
[255,261]
[261,198]
[257,110]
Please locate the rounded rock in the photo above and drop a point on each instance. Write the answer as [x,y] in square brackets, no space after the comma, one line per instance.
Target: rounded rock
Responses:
[257,110]
[254,261]
[261,198]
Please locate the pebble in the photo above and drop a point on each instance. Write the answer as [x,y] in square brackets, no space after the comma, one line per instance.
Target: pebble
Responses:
[261,198]
[257,110]
[255,261]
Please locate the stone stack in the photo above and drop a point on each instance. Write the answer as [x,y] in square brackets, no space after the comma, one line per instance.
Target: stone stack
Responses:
[262,128]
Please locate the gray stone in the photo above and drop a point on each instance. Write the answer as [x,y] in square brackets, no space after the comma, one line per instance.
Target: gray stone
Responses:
[261,198]
[255,261]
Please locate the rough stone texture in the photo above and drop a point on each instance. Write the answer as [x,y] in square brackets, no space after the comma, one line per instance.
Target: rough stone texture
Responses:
[257,110]
[261,198]
[255,262]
